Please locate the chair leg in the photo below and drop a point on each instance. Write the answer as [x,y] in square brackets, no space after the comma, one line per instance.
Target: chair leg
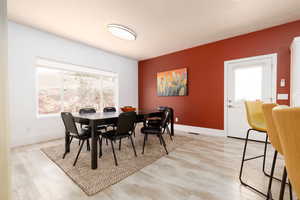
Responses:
[71,140]
[88,147]
[78,152]
[164,143]
[269,194]
[133,145]
[100,146]
[65,154]
[169,133]
[106,141]
[120,142]
[145,138]
[159,140]
[113,149]
[282,188]
[134,129]
[68,145]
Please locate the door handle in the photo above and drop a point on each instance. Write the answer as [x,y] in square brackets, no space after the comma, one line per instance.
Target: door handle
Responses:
[230,106]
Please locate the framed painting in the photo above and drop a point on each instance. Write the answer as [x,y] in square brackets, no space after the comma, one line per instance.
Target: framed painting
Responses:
[172,83]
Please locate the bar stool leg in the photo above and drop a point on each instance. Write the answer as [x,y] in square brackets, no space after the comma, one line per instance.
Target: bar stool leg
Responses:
[242,165]
[291,190]
[282,188]
[269,194]
[243,159]
[265,153]
[264,161]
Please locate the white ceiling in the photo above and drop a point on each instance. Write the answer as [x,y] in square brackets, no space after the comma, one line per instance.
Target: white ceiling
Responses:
[163,26]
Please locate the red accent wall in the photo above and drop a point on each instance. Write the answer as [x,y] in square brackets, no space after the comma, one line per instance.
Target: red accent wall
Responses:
[204,105]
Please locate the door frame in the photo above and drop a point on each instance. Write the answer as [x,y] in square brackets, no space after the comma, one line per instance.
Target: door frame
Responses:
[273,58]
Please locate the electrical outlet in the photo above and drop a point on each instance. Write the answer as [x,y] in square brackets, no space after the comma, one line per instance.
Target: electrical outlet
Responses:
[176,119]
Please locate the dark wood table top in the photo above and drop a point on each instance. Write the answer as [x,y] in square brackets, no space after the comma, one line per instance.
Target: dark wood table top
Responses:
[110,115]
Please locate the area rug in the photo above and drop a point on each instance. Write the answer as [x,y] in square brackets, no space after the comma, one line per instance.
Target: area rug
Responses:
[107,174]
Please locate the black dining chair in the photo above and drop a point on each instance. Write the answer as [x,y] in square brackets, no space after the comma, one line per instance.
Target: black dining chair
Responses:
[157,130]
[72,131]
[87,110]
[84,124]
[109,109]
[157,121]
[124,129]
[82,111]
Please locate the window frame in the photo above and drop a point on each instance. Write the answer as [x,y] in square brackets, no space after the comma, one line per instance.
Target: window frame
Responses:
[62,66]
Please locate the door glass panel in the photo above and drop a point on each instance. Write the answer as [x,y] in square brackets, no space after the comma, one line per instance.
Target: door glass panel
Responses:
[248,83]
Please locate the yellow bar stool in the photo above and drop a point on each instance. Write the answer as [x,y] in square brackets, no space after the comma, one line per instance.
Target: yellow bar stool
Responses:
[256,121]
[287,121]
[275,141]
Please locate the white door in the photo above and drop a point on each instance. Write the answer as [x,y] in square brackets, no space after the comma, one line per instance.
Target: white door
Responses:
[247,79]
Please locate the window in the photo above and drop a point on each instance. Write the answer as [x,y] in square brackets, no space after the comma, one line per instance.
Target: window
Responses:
[65,87]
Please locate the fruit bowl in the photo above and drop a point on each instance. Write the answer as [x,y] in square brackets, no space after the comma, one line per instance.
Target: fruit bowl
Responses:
[128,109]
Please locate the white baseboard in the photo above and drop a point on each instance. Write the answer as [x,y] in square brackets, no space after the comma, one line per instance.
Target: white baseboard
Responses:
[200,130]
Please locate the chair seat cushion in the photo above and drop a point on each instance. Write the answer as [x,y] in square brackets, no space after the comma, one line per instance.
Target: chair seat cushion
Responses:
[259,126]
[99,128]
[83,134]
[151,130]
[86,132]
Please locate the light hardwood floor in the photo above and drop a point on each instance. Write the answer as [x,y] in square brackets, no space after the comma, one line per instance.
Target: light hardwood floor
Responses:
[206,168]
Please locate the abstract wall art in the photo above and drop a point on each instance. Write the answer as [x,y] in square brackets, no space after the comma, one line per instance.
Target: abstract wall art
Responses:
[172,83]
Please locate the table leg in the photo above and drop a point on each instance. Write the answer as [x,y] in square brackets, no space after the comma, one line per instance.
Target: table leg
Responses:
[94,149]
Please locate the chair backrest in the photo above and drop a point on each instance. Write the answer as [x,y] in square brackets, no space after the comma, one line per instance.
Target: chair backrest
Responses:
[255,114]
[162,108]
[287,121]
[69,123]
[271,128]
[87,110]
[126,122]
[166,117]
[109,109]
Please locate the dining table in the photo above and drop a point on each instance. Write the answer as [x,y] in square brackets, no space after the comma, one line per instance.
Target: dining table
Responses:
[105,118]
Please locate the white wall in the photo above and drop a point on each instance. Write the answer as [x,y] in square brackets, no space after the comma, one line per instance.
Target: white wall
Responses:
[5,175]
[25,44]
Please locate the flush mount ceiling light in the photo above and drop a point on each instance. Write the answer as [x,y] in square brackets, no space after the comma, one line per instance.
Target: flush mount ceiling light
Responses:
[122,32]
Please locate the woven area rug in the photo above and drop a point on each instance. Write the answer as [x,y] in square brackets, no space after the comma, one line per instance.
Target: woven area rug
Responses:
[107,174]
